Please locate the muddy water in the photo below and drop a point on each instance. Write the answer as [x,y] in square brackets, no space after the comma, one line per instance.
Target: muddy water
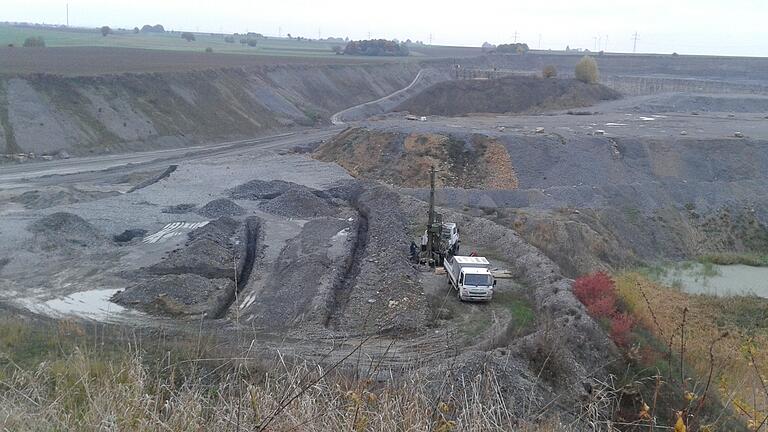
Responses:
[719,280]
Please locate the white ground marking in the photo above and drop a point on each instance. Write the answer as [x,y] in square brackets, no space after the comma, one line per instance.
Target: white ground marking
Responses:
[172,230]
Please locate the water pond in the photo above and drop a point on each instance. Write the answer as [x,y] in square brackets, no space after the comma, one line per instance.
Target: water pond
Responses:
[719,280]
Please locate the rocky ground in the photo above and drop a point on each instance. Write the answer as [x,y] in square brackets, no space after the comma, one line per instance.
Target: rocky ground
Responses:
[308,250]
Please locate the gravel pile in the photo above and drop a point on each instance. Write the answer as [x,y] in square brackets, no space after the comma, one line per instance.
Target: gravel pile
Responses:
[299,203]
[220,207]
[261,189]
[179,208]
[177,295]
[209,252]
[65,229]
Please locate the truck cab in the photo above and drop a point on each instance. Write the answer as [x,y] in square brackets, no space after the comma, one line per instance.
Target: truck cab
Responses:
[471,277]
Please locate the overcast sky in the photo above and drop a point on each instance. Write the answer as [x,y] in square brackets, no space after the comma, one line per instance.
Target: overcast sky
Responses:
[734,27]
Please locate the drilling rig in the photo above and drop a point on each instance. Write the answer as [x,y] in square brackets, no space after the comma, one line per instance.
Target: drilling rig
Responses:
[440,240]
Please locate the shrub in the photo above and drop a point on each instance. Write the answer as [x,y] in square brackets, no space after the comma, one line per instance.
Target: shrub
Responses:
[34,42]
[549,72]
[187,36]
[209,50]
[621,325]
[595,289]
[229,39]
[106,31]
[598,294]
[587,71]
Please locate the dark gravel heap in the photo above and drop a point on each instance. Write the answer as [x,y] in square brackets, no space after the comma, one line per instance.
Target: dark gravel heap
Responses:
[177,295]
[179,208]
[129,235]
[299,203]
[260,189]
[220,207]
[65,229]
[208,253]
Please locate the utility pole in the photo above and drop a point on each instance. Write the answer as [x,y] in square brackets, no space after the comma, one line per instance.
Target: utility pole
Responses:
[595,38]
[67,14]
[634,47]
[430,38]
[539,40]
[606,43]
[515,36]
[280,31]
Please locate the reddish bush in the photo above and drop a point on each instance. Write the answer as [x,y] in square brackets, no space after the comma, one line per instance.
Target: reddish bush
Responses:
[621,325]
[603,307]
[596,290]
[598,294]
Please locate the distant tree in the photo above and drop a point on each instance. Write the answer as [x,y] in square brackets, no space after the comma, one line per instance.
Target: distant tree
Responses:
[157,28]
[587,71]
[376,47]
[188,36]
[675,54]
[516,48]
[488,47]
[229,39]
[34,42]
[136,30]
[549,72]
[243,41]
[567,48]
[105,30]
[209,50]
[251,42]
[337,49]
[289,36]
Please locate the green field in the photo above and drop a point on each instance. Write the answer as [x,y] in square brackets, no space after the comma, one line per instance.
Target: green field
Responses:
[78,37]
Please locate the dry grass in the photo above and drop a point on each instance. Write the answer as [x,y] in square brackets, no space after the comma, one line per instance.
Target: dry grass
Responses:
[81,389]
[724,338]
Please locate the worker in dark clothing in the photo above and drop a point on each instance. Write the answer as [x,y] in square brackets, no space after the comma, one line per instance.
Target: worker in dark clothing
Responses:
[414,252]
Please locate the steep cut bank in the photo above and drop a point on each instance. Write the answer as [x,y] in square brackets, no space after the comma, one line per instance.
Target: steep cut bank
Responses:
[46,114]
[513,94]
[404,159]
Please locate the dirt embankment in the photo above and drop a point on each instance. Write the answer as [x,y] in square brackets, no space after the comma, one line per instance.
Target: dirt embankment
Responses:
[46,114]
[505,95]
[474,161]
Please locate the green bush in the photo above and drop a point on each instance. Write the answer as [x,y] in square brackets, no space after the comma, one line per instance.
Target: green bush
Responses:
[587,71]
[34,42]
[549,72]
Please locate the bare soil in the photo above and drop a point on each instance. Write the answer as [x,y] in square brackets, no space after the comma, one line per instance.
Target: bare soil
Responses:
[474,161]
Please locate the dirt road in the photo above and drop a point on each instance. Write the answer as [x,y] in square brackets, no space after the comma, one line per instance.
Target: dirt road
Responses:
[39,173]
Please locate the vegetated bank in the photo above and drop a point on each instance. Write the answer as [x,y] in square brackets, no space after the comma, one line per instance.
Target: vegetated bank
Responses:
[513,94]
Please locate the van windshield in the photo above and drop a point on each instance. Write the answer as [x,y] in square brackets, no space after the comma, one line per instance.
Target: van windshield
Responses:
[477,280]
